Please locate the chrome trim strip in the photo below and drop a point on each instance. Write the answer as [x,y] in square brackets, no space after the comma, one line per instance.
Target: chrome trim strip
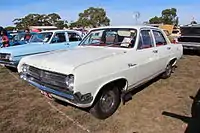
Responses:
[46,89]
[9,63]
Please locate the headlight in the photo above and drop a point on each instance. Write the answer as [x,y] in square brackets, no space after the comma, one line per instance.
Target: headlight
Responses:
[7,56]
[70,82]
[25,68]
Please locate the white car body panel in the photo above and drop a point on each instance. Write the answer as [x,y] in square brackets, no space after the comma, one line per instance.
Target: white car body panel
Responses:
[95,66]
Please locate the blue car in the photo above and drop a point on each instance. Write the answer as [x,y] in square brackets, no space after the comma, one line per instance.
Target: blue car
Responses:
[17,38]
[42,42]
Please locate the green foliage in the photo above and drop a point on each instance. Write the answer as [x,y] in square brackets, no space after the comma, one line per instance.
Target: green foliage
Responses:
[9,28]
[93,17]
[61,24]
[169,16]
[155,20]
[52,19]
[73,24]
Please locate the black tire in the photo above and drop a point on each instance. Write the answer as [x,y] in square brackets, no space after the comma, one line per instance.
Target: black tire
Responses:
[107,103]
[168,71]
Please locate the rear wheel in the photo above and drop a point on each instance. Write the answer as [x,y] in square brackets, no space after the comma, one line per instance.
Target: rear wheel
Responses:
[107,103]
[168,71]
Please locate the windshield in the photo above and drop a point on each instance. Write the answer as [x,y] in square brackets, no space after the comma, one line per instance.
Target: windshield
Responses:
[41,37]
[19,37]
[112,37]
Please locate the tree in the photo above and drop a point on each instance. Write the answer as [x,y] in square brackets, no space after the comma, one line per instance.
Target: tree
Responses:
[73,25]
[9,28]
[93,17]
[169,16]
[193,22]
[52,19]
[155,20]
[61,24]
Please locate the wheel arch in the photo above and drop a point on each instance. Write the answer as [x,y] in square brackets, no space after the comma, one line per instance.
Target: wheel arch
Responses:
[172,61]
[121,82]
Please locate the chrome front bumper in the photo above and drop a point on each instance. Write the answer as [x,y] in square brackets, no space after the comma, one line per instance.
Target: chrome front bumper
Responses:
[76,99]
[49,90]
[9,63]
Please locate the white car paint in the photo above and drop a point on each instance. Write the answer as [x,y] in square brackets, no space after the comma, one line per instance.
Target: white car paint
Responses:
[95,66]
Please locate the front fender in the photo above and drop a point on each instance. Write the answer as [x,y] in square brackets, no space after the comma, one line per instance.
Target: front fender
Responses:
[111,80]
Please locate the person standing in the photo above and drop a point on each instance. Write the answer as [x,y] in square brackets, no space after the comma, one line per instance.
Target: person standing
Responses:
[5,39]
[27,35]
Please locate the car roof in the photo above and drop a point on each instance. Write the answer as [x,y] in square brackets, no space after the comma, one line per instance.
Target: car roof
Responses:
[60,31]
[138,27]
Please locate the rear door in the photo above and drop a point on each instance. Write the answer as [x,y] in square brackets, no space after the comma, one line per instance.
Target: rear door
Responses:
[59,41]
[164,49]
[74,39]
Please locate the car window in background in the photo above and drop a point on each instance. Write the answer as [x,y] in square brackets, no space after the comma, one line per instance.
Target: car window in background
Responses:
[59,38]
[41,37]
[74,37]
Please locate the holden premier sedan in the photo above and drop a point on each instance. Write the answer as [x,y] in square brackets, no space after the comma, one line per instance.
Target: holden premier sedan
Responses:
[108,64]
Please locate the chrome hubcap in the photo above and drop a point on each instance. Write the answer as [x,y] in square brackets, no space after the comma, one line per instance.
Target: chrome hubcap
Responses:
[168,70]
[107,101]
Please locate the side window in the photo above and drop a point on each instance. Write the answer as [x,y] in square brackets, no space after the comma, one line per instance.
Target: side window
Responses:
[159,38]
[74,37]
[146,40]
[59,38]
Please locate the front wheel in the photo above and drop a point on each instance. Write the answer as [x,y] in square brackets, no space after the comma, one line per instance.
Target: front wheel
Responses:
[107,103]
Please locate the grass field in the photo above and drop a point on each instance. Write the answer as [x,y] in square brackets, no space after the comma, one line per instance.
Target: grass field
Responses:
[24,109]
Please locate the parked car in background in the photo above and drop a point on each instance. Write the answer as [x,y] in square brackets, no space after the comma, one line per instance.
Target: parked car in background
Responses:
[176,33]
[18,39]
[173,37]
[108,64]
[190,37]
[40,43]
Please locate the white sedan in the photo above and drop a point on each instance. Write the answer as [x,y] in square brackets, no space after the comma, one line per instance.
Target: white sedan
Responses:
[109,63]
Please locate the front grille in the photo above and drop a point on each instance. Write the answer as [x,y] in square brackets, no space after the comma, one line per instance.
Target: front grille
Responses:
[49,79]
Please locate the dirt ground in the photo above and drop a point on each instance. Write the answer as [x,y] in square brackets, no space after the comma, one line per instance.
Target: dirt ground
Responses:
[24,109]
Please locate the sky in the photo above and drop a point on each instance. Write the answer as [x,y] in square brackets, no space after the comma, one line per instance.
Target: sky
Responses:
[120,12]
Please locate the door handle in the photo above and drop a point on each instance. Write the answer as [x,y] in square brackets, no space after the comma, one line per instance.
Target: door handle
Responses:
[168,48]
[131,65]
[66,43]
[155,51]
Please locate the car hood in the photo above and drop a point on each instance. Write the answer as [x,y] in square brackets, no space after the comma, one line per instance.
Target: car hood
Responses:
[66,61]
[21,49]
